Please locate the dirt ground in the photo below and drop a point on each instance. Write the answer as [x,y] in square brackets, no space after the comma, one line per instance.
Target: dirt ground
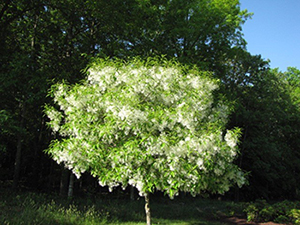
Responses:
[243,221]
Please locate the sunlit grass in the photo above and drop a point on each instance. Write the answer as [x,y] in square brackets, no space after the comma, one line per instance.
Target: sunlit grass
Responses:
[40,209]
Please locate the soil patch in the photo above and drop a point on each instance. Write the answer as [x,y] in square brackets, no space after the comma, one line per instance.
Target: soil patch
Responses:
[243,221]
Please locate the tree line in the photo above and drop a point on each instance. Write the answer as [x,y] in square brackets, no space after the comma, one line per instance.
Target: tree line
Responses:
[44,42]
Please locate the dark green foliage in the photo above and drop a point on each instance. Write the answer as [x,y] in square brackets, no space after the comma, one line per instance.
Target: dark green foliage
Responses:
[42,42]
[280,212]
[270,127]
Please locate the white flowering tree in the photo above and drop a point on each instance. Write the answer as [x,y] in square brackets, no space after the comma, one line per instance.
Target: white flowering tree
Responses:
[150,124]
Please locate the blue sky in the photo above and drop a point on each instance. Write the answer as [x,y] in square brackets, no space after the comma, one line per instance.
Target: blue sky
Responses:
[274,31]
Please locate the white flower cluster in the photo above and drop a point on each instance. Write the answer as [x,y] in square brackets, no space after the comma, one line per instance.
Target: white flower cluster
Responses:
[140,125]
[55,119]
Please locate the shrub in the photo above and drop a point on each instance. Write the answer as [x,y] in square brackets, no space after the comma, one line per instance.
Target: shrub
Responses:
[295,214]
[280,212]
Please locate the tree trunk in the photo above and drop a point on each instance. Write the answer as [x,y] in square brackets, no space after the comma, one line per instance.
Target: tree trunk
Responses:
[147,209]
[17,163]
[19,150]
[237,194]
[64,179]
[71,185]
[50,177]
[237,189]
[132,193]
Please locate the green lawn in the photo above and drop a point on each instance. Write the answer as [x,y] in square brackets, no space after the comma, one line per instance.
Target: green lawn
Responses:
[40,209]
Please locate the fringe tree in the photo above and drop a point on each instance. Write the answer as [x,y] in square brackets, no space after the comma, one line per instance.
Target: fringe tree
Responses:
[151,124]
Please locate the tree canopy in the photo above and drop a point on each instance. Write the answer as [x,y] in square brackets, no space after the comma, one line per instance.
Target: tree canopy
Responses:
[152,125]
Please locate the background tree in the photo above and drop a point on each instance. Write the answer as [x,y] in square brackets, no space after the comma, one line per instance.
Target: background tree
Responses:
[292,76]
[200,32]
[269,122]
[152,125]
[43,42]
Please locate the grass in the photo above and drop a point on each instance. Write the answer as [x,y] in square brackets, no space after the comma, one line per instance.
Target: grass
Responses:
[41,209]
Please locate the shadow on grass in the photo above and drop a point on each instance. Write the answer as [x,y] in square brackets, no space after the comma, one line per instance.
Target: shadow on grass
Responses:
[31,208]
[182,211]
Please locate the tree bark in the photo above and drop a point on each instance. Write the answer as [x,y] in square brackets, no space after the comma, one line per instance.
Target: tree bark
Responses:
[132,193]
[71,185]
[19,150]
[147,209]
[64,179]
[17,163]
